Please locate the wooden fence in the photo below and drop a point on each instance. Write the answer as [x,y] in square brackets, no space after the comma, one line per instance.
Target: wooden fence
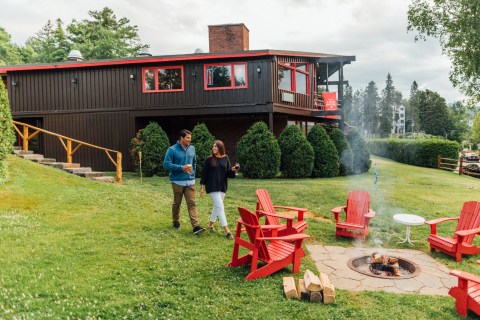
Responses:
[458,165]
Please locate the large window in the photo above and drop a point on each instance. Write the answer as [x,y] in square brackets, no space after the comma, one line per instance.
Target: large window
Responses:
[294,77]
[163,79]
[225,76]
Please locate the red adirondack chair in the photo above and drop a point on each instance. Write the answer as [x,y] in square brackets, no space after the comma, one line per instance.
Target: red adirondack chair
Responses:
[462,241]
[358,215]
[266,208]
[276,252]
[467,293]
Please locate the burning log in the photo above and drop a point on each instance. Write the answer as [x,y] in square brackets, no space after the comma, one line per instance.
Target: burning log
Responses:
[380,263]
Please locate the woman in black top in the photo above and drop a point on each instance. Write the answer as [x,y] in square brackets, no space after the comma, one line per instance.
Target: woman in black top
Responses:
[216,170]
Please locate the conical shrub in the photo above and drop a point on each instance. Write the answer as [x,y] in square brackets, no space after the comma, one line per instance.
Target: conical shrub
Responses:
[326,156]
[7,136]
[258,153]
[344,151]
[296,159]
[361,154]
[202,140]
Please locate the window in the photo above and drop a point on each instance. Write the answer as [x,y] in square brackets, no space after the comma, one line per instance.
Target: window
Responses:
[294,77]
[163,79]
[225,76]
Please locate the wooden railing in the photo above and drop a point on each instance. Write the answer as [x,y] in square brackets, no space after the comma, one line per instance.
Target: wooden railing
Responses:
[67,144]
[457,165]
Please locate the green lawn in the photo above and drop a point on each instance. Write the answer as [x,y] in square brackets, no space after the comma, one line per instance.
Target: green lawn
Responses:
[76,248]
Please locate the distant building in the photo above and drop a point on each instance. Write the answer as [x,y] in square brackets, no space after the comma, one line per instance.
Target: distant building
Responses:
[106,102]
[398,125]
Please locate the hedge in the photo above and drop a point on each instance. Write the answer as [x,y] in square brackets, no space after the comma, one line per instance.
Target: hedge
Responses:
[422,153]
[7,136]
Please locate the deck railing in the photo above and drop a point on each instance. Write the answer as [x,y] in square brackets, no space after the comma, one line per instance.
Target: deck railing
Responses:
[67,144]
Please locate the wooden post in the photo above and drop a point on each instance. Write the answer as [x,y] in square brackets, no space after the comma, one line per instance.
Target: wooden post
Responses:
[460,168]
[69,151]
[25,138]
[439,160]
[118,174]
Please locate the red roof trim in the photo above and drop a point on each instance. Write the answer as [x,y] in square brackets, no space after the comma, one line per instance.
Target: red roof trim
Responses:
[128,61]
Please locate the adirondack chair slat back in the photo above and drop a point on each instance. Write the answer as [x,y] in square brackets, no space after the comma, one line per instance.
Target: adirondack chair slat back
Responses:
[358,203]
[266,205]
[251,219]
[469,219]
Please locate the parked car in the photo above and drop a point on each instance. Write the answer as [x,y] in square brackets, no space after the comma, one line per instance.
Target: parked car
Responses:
[470,156]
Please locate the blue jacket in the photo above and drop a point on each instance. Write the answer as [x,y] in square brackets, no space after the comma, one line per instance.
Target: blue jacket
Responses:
[175,158]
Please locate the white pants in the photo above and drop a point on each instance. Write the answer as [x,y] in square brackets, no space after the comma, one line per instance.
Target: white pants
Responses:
[218,210]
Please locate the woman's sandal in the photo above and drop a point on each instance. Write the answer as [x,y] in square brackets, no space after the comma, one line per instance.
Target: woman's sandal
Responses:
[229,236]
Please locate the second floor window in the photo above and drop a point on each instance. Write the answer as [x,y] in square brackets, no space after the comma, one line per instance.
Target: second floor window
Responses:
[294,77]
[163,79]
[225,76]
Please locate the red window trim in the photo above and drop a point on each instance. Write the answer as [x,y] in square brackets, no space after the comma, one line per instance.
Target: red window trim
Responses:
[232,84]
[293,79]
[155,69]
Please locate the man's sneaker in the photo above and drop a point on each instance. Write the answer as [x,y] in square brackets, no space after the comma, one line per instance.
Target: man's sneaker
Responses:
[176,225]
[198,229]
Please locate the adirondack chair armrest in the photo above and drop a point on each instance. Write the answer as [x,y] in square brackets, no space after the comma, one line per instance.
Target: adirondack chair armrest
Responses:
[336,212]
[465,276]
[292,237]
[271,226]
[370,214]
[433,223]
[300,211]
[464,233]
[289,219]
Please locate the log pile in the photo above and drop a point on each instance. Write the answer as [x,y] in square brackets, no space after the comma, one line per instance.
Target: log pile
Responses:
[311,288]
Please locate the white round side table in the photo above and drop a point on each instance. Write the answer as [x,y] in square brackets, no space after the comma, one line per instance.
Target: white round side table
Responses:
[408,220]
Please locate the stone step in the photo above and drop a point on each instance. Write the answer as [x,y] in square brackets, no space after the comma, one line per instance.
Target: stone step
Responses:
[21,152]
[64,165]
[47,161]
[90,174]
[78,170]
[104,179]
[33,157]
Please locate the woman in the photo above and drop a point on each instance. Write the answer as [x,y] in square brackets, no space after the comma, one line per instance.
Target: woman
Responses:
[216,170]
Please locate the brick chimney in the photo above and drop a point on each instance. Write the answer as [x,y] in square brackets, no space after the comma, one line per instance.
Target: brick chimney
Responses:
[228,37]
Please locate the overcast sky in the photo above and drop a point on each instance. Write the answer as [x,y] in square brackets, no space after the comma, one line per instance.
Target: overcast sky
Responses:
[375,31]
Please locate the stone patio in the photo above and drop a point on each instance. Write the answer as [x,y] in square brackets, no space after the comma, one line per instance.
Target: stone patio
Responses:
[432,280]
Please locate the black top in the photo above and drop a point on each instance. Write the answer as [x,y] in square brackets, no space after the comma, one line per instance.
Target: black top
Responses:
[214,176]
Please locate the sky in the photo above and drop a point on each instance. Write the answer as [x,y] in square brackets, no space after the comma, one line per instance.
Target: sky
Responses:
[375,31]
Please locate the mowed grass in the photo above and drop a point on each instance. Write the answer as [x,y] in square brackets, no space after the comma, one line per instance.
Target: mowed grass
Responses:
[75,248]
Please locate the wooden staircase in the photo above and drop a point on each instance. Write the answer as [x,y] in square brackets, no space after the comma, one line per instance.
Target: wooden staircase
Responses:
[73,168]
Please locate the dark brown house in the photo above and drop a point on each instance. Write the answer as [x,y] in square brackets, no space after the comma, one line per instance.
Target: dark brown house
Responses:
[106,102]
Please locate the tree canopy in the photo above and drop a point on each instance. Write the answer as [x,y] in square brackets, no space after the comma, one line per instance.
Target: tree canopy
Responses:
[456,24]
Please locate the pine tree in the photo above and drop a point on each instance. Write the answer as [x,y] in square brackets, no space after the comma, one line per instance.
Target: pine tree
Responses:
[370,112]
[386,108]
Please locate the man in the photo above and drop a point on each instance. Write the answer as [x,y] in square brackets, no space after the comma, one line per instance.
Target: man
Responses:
[181,162]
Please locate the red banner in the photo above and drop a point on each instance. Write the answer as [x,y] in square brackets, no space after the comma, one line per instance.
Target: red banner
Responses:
[330,101]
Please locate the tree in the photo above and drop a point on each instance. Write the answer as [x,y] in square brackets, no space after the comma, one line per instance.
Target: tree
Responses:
[296,153]
[455,23]
[433,113]
[104,36]
[50,44]
[10,53]
[458,115]
[370,101]
[326,164]
[6,132]
[476,128]
[412,121]
[258,152]
[386,108]
[202,140]
[361,154]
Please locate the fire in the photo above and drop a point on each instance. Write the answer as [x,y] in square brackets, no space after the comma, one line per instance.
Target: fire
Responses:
[380,263]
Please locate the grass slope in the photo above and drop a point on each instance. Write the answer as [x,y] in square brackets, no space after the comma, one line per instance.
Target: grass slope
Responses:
[76,248]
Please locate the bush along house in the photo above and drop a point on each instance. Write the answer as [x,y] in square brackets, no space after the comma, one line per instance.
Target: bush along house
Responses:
[105,102]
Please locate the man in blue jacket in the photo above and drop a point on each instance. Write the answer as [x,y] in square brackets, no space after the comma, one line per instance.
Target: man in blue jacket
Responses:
[181,162]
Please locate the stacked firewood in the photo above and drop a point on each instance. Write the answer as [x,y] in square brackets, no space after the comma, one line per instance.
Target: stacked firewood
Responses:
[311,288]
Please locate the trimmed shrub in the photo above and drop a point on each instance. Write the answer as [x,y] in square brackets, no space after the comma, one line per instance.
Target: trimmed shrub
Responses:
[422,152]
[202,139]
[361,153]
[326,155]
[7,136]
[344,151]
[258,153]
[296,159]
[153,142]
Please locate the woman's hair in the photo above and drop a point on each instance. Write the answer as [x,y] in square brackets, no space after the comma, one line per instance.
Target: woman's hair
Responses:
[221,151]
